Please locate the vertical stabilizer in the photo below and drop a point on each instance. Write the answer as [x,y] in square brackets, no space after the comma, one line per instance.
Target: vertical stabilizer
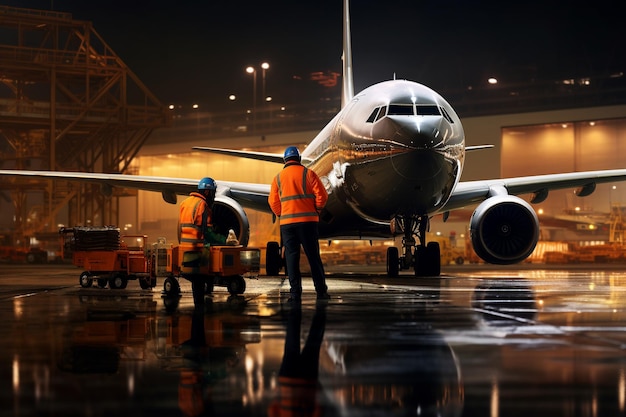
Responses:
[347,87]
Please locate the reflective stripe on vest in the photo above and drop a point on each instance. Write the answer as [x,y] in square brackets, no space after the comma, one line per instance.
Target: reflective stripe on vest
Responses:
[191,232]
[303,195]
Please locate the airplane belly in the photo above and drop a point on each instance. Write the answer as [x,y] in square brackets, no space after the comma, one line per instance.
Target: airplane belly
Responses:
[417,182]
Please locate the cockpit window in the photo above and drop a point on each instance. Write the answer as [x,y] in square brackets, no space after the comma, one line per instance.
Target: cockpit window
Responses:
[407,110]
[400,110]
[446,115]
[373,115]
[427,110]
[383,112]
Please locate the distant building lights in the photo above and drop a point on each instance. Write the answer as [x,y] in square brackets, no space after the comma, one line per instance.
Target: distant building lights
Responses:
[195,106]
[232,97]
[492,80]
[171,107]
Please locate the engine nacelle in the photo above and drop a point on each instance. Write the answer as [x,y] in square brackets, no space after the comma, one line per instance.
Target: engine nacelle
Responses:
[504,230]
[228,214]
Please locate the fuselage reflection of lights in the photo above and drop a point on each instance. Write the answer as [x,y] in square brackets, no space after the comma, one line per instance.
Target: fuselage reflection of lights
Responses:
[16,374]
[18,308]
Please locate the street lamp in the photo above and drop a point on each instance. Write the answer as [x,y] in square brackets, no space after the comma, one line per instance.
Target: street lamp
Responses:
[252,70]
[264,66]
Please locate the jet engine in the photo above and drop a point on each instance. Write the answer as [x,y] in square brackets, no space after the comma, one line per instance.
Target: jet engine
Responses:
[228,214]
[504,230]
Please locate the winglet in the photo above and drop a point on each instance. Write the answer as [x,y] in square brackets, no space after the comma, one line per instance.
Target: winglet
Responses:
[347,87]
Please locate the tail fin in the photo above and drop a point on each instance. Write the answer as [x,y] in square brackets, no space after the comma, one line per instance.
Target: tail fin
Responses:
[347,87]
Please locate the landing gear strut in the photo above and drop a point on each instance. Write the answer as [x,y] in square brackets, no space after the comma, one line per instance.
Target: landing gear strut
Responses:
[424,258]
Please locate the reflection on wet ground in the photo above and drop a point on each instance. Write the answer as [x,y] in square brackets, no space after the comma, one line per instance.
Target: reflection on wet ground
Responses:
[475,342]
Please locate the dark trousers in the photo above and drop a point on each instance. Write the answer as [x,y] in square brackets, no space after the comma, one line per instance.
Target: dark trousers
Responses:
[303,234]
[305,363]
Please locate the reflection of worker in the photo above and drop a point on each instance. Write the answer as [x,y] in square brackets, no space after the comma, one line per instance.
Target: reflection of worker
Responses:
[298,376]
[195,229]
[296,196]
[193,395]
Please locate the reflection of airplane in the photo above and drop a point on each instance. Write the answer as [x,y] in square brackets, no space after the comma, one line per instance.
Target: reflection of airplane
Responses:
[391,159]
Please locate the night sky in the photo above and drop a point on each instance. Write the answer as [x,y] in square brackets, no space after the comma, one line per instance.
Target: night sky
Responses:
[196,51]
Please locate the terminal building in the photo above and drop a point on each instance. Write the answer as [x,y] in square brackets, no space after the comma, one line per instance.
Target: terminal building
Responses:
[74,105]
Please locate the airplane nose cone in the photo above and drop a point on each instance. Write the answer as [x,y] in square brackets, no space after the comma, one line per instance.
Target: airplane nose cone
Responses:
[414,133]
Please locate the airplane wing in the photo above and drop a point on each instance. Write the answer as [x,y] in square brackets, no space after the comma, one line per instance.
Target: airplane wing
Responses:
[253,196]
[471,192]
[261,156]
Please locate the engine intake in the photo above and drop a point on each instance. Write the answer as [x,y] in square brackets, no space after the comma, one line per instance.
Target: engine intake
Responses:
[228,214]
[504,230]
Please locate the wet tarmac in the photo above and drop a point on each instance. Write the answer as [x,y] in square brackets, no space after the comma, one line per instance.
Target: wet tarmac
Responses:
[479,341]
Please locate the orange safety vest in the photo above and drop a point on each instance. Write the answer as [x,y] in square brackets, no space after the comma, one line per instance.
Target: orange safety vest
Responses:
[297,194]
[297,398]
[193,221]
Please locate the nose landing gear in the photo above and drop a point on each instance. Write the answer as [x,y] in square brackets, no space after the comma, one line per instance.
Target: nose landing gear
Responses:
[424,257]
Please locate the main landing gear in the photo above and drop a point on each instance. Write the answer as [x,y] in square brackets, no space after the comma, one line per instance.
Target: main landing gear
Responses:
[425,258]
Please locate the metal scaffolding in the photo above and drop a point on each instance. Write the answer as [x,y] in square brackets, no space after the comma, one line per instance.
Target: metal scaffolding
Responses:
[67,102]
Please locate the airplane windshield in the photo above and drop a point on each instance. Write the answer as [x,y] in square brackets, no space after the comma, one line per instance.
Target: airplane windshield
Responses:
[400,110]
[410,110]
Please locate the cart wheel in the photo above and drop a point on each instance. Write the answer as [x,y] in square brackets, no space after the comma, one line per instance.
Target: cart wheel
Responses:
[85,280]
[171,287]
[208,286]
[102,283]
[144,283]
[118,281]
[236,285]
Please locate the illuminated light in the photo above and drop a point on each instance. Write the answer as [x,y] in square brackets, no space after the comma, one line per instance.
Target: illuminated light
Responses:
[592,123]
[282,108]
[232,97]
[18,308]
[540,211]
[622,390]
[268,99]
[250,70]
[494,403]
[564,125]
[492,80]
[577,209]
[265,65]
[195,106]
[171,107]
[16,373]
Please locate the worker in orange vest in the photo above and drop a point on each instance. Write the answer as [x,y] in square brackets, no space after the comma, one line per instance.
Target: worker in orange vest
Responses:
[195,232]
[297,195]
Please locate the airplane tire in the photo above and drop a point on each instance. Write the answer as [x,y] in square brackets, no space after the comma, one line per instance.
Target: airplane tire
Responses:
[272,258]
[393,262]
[433,259]
[421,264]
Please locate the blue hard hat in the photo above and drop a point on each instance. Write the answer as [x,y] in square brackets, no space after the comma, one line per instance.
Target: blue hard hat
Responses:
[291,153]
[207,183]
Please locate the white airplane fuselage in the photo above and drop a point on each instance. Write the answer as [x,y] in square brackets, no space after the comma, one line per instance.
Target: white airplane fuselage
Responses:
[396,149]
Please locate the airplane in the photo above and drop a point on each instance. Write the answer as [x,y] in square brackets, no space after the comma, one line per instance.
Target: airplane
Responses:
[391,159]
